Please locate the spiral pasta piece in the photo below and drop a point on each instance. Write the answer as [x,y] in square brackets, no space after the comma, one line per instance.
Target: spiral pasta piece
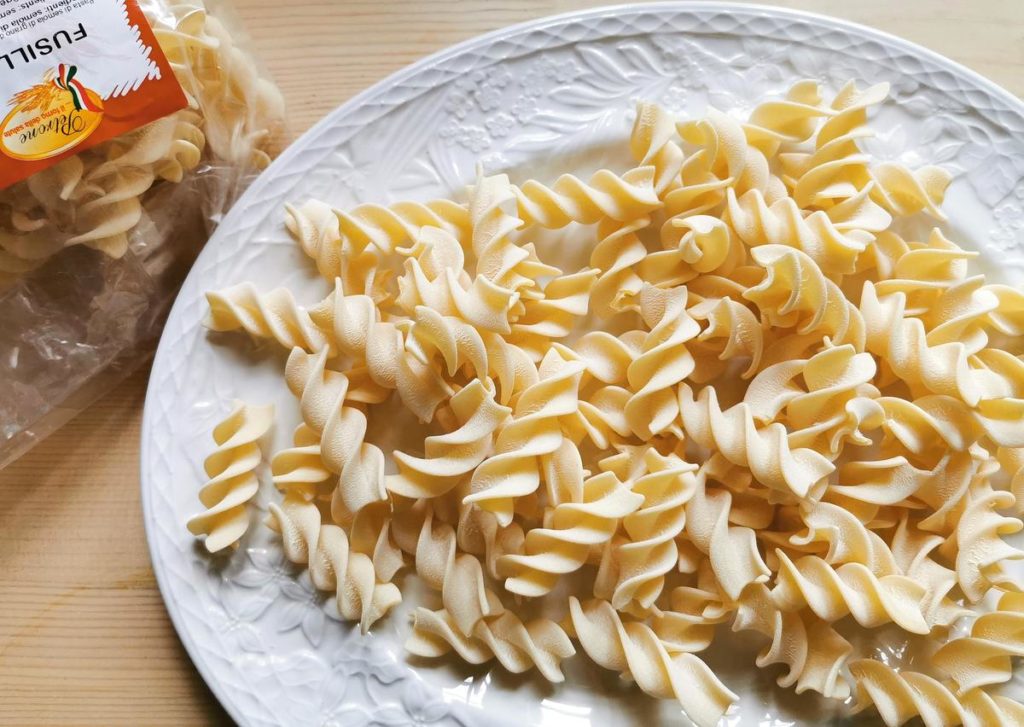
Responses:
[241,108]
[516,645]
[688,623]
[431,280]
[565,299]
[498,258]
[570,199]
[299,471]
[314,227]
[333,565]
[835,250]
[904,192]
[1012,460]
[788,121]
[811,650]
[765,450]
[796,294]
[614,257]
[838,401]
[982,551]
[274,315]
[983,658]
[634,650]
[533,431]
[573,530]
[452,456]
[833,592]
[459,344]
[653,143]
[900,696]
[458,576]
[342,428]
[912,549]
[732,550]
[902,342]
[232,482]
[649,550]
[724,157]
[359,331]
[847,538]
[389,228]
[663,362]
[740,333]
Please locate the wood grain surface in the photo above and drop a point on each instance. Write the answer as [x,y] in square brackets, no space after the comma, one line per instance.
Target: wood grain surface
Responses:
[84,637]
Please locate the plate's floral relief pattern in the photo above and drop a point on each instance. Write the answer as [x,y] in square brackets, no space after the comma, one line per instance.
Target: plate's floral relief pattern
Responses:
[535,100]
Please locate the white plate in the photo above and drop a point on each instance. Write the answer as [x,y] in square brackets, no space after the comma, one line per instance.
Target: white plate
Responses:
[546,97]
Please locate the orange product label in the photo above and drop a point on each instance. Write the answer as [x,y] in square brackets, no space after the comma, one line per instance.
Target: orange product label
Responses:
[74,73]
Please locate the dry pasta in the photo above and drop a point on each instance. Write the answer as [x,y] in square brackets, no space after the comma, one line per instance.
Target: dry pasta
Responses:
[798,418]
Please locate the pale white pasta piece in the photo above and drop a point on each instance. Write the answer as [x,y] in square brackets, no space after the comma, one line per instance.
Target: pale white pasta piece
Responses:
[725,157]
[570,199]
[565,299]
[732,331]
[299,471]
[900,696]
[847,538]
[634,650]
[833,592]
[796,294]
[813,652]
[764,449]
[434,277]
[459,344]
[983,658]
[648,551]
[360,331]
[458,576]
[479,533]
[516,645]
[342,428]
[693,245]
[787,121]
[663,361]
[1012,460]
[454,455]
[832,405]
[835,248]
[533,431]
[982,552]
[273,315]
[233,482]
[688,623]
[912,549]
[573,530]
[653,143]
[333,565]
[315,228]
[499,258]
[617,252]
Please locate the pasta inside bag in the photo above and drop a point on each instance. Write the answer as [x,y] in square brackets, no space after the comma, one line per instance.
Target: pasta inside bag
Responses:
[93,246]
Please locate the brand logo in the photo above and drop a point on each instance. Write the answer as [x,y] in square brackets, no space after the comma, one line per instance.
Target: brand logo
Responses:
[50,117]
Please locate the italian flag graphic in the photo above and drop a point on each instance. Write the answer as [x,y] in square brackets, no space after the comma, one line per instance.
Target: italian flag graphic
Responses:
[65,79]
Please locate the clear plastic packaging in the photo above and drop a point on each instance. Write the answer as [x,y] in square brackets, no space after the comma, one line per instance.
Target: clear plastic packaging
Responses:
[93,249]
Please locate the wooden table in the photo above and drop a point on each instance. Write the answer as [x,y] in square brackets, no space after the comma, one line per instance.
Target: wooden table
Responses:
[84,637]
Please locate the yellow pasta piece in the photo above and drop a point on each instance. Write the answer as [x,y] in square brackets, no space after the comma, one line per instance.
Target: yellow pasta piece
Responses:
[333,565]
[233,482]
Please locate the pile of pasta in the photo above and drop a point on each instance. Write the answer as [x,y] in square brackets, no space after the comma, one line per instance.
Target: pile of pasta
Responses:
[758,407]
[97,198]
